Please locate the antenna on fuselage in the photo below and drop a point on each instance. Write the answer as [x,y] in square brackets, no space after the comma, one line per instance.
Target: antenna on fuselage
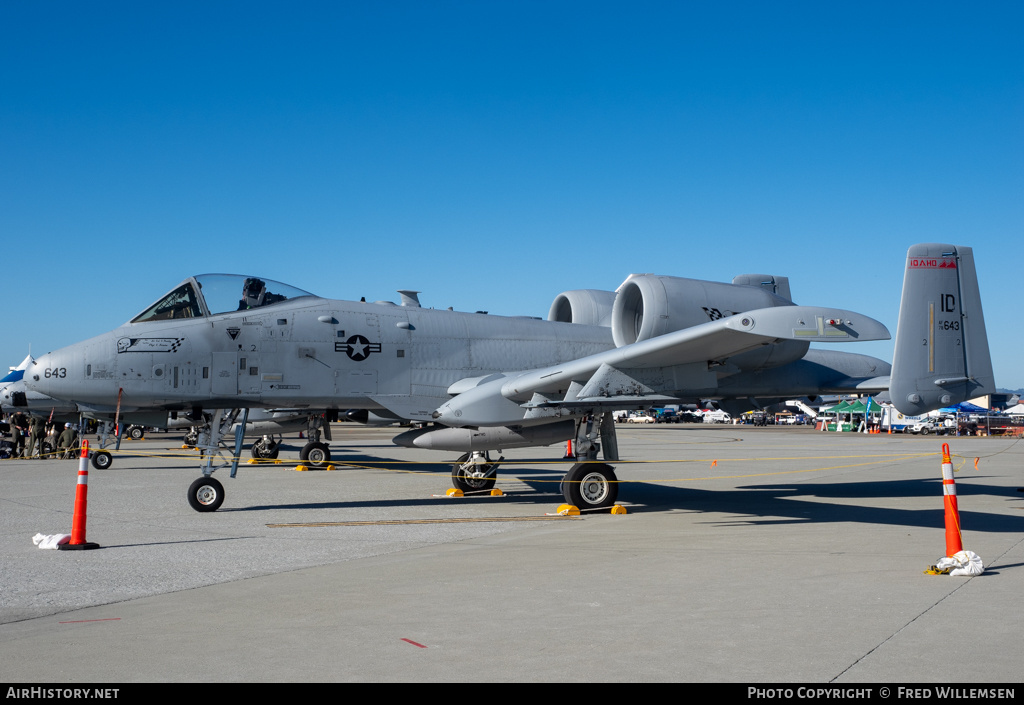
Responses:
[410,298]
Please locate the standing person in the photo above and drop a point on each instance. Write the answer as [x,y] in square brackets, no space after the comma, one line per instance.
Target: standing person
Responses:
[37,432]
[18,435]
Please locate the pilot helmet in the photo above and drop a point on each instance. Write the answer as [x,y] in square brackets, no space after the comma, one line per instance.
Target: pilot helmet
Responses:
[253,292]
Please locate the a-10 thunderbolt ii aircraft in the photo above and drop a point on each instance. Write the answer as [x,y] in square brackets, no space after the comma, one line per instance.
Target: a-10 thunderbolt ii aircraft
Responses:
[480,383]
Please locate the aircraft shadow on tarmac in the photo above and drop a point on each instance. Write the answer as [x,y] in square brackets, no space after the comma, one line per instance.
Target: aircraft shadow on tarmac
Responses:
[801,503]
[762,504]
[543,484]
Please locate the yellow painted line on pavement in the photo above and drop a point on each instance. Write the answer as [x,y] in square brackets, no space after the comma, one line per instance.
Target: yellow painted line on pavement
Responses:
[398,522]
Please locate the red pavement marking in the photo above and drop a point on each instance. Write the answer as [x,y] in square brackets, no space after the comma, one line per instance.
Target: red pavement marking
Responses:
[83,621]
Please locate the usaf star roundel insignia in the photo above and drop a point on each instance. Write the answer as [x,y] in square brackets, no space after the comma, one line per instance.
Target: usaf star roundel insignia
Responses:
[357,348]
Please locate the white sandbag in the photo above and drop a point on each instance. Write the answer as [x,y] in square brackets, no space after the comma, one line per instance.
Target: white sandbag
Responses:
[51,540]
[962,563]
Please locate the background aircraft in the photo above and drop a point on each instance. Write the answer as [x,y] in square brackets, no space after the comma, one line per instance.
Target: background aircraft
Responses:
[479,383]
[16,396]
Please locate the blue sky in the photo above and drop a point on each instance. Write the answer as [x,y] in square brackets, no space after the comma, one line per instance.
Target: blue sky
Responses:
[495,154]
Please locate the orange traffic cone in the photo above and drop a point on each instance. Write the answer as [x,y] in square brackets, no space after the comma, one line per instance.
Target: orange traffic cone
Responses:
[954,542]
[78,541]
[569,455]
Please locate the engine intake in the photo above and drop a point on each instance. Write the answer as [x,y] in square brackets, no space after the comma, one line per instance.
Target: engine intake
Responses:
[649,305]
[591,307]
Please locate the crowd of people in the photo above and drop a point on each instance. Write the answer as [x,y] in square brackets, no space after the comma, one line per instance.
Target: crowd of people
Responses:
[25,436]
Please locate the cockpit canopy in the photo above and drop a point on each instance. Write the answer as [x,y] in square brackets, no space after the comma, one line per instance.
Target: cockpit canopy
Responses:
[210,294]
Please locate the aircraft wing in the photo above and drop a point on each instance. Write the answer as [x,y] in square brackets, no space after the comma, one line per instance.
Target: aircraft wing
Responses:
[715,340]
[645,369]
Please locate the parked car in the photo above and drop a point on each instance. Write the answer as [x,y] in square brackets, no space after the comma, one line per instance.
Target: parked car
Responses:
[939,426]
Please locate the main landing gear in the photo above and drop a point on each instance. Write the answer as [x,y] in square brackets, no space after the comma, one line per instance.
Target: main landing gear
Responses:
[593,485]
[588,485]
[265,448]
[316,453]
[474,472]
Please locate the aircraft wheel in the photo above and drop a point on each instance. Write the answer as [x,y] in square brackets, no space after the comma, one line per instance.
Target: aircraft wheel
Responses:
[101,460]
[315,454]
[206,495]
[463,476]
[265,451]
[590,486]
[136,433]
[47,450]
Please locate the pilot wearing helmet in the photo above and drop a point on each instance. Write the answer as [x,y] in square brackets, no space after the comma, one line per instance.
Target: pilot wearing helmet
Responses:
[254,292]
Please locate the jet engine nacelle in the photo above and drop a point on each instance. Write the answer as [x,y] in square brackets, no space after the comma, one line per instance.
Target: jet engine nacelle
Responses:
[648,305]
[591,307]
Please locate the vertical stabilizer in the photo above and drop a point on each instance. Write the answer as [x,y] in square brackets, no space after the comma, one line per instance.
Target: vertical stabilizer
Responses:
[942,355]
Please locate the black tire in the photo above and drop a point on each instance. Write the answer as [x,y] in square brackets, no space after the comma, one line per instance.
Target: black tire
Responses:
[925,431]
[316,454]
[467,483]
[264,451]
[47,450]
[101,460]
[136,433]
[206,495]
[590,486]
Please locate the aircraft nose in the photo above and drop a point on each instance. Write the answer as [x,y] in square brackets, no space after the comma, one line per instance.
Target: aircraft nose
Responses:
[45,373]
[34,379]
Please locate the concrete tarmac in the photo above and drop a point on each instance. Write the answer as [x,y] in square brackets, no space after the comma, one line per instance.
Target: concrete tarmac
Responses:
[757,555]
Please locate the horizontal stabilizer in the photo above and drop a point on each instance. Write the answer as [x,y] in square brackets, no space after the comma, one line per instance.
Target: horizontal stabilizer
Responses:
[858,385]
